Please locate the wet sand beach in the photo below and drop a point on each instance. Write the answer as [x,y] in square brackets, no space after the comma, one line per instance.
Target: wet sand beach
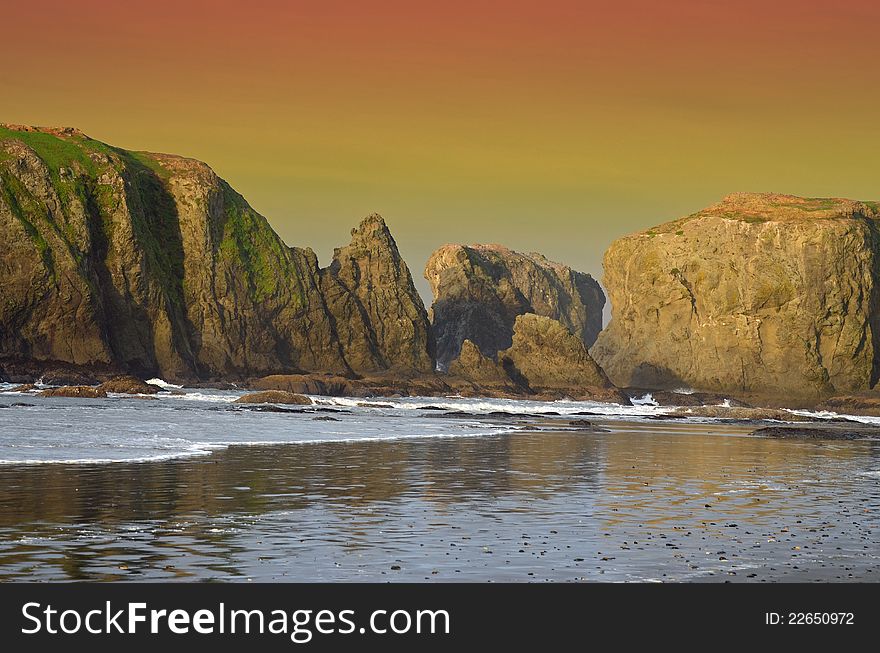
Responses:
[645,501]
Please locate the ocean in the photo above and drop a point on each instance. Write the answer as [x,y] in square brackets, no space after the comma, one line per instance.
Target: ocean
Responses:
[187,485]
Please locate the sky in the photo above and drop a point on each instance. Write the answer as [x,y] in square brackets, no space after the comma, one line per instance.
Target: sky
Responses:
[551,126]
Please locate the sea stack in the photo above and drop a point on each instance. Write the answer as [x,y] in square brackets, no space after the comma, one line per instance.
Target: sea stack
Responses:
[479,290]
[380,319]
[761,293]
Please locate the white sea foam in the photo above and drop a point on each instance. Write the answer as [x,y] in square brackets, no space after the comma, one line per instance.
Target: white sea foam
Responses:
[104,431]
[210,396]
[162,383]
[195,422]
[513,406]
[827,414]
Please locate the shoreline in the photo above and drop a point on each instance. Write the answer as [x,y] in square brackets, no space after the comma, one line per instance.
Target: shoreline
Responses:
[415,418]
[560,506]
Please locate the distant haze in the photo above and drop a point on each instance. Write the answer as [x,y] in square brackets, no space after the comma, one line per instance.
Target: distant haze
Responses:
[549,126]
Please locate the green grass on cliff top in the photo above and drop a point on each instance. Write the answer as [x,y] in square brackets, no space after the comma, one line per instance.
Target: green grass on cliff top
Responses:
[58,152]
[248,241]
[64,151]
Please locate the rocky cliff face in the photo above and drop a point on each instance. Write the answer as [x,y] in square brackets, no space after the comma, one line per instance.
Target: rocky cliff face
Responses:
[760,293]
[152,264]
[545,359]
[379,316]
[479,291]
[550,358]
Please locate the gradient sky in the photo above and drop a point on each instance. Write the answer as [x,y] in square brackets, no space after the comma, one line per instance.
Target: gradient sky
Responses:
[551,126]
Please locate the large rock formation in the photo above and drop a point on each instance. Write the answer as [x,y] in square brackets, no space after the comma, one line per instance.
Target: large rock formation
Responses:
[479,291]
[545,359]
[768,294]
[550,358]
[153,265]
[379,316]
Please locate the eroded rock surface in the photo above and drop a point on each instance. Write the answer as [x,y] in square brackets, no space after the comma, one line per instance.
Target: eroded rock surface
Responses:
[274,397]
[769,294]
[479,290]
[150,264]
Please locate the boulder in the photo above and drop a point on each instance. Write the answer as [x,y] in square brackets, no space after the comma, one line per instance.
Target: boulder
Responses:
[128,385]
[274,397]
[78,391]
[548,359]
[852,405]
[474,366]
[310,384]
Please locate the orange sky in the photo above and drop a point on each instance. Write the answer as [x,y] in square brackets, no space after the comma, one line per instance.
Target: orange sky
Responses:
[552,126]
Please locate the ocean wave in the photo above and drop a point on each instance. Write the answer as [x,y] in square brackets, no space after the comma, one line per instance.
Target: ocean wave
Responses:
[484,406]
[162,383]
[210,396]
[827,414]
[165,452]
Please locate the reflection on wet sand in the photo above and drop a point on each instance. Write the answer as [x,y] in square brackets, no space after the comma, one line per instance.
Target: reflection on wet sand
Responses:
[732,474]
[644,501]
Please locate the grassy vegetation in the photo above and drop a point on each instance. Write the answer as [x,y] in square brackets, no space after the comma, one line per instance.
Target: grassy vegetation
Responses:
[57,152]
[145,160]
[74,175]
[250,244]
[811,205]
[72,171]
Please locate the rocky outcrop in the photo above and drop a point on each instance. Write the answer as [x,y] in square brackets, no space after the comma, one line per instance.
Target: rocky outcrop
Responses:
[817,433]
[16,369]
[379,317]
[549,359]
[473,365]
[865,404]
[669,398]
[743,414]
[128,385]
[151,264]
[75,391]
[307,384]
[545,360]
[768,294]
[479,290]
[274,397]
